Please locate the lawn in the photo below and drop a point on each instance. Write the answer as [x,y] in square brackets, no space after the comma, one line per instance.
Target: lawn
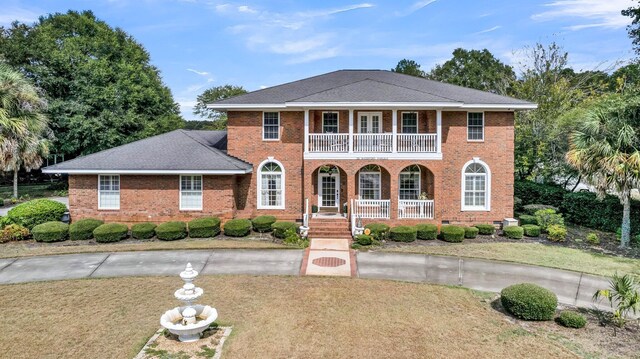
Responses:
[31,190]
[272,317]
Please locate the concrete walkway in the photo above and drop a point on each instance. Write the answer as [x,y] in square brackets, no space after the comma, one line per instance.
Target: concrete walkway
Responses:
[329,257]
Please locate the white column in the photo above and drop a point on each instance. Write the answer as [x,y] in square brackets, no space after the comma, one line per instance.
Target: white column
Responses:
[439,130]
[394,131]
[306,130]
[350,130]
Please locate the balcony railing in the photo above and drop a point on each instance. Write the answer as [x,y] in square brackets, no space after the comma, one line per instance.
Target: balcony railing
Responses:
[373,143]
[412,142]
[329,142]
[422,209]
[371,208]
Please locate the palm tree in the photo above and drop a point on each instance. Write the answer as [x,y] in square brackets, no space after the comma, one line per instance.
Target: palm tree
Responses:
[23,124]
[605,152]
[623,295]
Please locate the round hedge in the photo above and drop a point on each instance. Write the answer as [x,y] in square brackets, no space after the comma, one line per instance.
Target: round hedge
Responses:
[13,232]
[111,232]
[83,229]
[37,211]
[403,234]
[204,227]
[378,230]
[571,320]
[364,240]
[427,231]
[529,301]
[171,231]
[528,219]
[50,232]
[143,230]
[471,232]
[531,230]
[454,234]
[263,224]
[281,228]
[237,227]
[486,229]
[513,232]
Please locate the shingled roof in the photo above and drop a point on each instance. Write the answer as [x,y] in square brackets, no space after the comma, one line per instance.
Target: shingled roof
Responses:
[179,151]
[369,87]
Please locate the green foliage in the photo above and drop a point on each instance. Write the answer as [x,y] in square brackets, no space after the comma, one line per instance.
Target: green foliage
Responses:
[408,67]
[556,233]
[533,193]
[218,118]
[427,231]
[486,229]
[531,209]
[363,240]
[513,232]
[623,295]
[379,231]
[586,209]
[531,230]
[5,221]
[529,301]
[471,232]
[454,234]
[528,219]
[208,227]
[592,238]
[99,82]
[37,211]
[548,217]
[634,29]
[263,224]
[143,230]
[83,229]
[14,232]
[280,228]
[237,228]
[171,231]
[50,232]
[111,232]
[403,234]
[291,238]
[571,319]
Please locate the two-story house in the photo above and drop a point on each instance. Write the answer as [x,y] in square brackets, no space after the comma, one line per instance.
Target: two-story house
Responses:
[369,144]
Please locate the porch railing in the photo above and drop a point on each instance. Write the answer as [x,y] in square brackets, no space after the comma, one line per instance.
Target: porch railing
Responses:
[414,142]
[415,209]
[372,142]
[371,208]
[329,142]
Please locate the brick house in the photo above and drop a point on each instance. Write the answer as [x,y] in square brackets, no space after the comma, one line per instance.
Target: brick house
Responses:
[368,144]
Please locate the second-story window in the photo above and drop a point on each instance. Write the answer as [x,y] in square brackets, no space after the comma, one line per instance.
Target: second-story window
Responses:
[271,126]
[329,122]
[409,122]
[475,126]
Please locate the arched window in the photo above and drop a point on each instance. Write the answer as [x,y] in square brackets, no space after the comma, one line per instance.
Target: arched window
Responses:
[476,186]
[410,183]
[370,182]
[271,185]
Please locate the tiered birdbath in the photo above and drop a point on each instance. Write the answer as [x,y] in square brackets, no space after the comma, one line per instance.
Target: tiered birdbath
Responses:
[190,320]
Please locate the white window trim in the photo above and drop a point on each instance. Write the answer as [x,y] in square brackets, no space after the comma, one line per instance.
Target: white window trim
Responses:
[201,193]
[379,173]
[283,184]
[419,183]
[100,207]
[271,139]
[417,121]
[484,122]
[337,124]
[369,115]
[487,201]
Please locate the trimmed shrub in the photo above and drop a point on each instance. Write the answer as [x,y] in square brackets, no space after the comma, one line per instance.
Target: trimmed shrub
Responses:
[592,238]
[14,232]
[585,209]
[517,204]
[548,217]
[427,231]
[529,301]
[263,224]
[513,232]
[528,219]
[532,192]
[204,227]
[363,240]
[379,231]
[531,209]
[531,230]
[143,230]
[471,232]
[486,229]
[403,234]
[83,229]
[5,221]
[171,231]
[111,232]
[556,233]
[454,234]
[280,228]
[37,211]
[50,232]
[571,319]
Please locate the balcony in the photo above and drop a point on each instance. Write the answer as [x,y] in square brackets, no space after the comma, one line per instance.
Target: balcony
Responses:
[373,143]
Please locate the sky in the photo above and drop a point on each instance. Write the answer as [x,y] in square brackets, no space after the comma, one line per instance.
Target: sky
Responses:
[198,44]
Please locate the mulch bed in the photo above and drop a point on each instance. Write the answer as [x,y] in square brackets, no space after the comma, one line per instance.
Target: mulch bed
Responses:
[166,345]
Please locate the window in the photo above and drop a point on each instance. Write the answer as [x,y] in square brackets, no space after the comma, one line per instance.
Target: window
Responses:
[475,126]
[476,186]
[270,125]
[329,122]
[409,122]
[369,122]
[410,183]
[270,185]
[370,182]
[109,192]
[190,193]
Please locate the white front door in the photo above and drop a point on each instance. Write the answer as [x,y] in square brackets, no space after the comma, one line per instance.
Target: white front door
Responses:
[328,190]
[370,122]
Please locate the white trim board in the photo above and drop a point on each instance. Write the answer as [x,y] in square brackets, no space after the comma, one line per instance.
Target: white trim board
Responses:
[149,172]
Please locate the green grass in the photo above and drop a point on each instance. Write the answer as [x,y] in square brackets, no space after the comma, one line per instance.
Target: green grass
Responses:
[536,254]
[32,190]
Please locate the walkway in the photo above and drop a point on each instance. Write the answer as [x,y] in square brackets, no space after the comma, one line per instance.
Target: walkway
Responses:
[329,257]
[572,288]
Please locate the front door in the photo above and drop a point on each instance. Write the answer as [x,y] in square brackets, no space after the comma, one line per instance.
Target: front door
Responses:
[329,189]
[370,122]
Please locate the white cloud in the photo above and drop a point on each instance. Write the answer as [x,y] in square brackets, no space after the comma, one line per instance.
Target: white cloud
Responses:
[11,14]
[415,7]
[488,30]
[201,73]
[596,13]
[247,9]
[328,12]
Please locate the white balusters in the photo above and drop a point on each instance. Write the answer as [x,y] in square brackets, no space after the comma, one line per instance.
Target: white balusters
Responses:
[415,209]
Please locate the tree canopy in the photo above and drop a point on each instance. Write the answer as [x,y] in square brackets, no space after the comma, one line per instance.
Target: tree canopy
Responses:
[634,29]
[218,119]
[101,88]
[408,67]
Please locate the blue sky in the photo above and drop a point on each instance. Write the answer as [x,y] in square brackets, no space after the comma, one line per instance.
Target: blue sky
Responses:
[201,43]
